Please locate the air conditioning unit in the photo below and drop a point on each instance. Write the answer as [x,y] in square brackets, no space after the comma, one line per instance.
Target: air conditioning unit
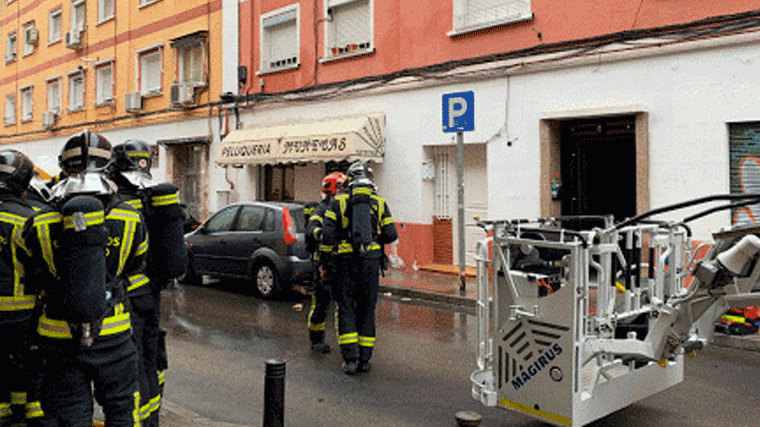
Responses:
[74,39]
[32,36]
[49,118]
[183,94]
[133,102]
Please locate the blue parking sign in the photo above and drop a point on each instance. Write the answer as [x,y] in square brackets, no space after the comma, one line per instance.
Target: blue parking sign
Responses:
[459,112]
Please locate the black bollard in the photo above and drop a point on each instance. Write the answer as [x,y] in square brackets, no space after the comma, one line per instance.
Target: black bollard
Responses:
[274,394]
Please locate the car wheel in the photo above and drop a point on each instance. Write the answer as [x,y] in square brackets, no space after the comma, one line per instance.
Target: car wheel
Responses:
[191,277]
[265,279]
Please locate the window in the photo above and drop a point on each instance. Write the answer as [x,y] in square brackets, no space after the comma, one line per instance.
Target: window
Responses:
[280,39]
[105,10]
[222,221]
[26,104]
[54,95]
[10,49]
[31,37]
[76,91]
[150,71]
[54,26]
[191,58]
[10,109]
[349,26]
[251,218]
[147,2]
[471,15]
[78,14]
[104,83]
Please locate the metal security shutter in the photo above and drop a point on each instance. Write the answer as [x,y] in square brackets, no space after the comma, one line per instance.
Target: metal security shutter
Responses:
[744,169]
[443,171]
[483,11]
[350,23]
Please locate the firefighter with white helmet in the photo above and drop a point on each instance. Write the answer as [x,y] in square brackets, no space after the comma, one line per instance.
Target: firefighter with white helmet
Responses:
[85,248]
[325,277]
[357,224]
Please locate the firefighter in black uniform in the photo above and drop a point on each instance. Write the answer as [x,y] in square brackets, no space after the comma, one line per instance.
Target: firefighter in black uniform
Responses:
[19,386]
[357,224]
[167,259]
[87,247]
[325,276]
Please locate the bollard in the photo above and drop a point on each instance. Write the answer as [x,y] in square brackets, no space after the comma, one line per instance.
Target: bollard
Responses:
[274,394]
[468,419]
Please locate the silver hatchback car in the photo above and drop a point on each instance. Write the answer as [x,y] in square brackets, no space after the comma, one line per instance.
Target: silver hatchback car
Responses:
[262,241]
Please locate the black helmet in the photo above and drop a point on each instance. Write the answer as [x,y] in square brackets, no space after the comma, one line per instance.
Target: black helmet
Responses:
[16,170]
[86,151]
[132,155]
[359,173]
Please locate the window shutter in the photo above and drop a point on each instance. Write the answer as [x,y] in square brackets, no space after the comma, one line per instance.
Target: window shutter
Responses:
[483,11]
[350,24]
[282,41]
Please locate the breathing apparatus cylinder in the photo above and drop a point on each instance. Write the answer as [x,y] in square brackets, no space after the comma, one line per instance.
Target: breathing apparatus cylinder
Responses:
[83,245]
[168,254]
[362,230]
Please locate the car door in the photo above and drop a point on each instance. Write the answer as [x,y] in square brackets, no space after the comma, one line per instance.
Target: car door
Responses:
[209,245]
[246,238]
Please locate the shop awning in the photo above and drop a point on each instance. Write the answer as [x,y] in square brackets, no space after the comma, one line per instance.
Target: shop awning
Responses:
[351,138]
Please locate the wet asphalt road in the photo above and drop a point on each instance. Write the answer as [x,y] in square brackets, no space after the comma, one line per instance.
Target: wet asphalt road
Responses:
[223,337]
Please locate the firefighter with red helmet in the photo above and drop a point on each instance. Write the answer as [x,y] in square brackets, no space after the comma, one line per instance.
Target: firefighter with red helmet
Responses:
[332,184]
[85,248]
[19,387]
[167,259]
[357,224]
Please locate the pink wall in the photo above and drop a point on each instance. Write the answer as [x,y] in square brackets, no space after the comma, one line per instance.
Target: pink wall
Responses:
[411,34]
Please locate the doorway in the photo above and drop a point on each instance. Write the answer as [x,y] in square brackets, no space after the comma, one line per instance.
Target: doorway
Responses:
[598,167]
[187,167]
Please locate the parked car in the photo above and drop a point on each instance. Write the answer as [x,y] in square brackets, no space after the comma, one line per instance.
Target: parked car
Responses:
[261,241]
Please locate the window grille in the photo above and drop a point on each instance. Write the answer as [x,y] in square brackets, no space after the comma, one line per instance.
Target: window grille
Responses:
[443,168]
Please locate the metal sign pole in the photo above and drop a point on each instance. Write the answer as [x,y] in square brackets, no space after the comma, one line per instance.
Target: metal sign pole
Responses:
[460,204]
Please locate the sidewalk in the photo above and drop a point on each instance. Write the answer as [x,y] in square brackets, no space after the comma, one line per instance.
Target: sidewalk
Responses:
[433,283]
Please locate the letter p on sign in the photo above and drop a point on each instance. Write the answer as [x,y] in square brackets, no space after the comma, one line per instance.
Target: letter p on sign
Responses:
[459,112]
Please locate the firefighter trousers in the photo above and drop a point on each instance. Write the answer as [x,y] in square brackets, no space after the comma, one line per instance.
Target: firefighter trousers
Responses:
[20,386]
[356,295]
[145,331]
[320,305]
[72,374]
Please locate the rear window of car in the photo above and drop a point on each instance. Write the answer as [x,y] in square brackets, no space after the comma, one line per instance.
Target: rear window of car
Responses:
[299,219]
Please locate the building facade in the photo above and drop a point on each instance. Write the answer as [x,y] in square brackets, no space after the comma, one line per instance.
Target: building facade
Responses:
[138,69]
[583,107]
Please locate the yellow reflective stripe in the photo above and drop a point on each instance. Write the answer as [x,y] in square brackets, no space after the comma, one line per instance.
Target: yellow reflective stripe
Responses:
[155,403]
[345,248]
[14,219]
[343,203]
[115,324]
[161,378]
[53,328]
[350,338]
[42,224]
[331,215]
[17,303]
[144,411]
[47,218]
[130,219]
[5,409]
[136,281]
[18,398]
[135,203]
[123,214]
[735,319]
[386,221]
[142,247]
[135,154]
[316,218]
[325,248]
[136,410]
[362,190]
[90,219]
[34,410]
[366,341]
[380,205]
[308,211]
[165,200]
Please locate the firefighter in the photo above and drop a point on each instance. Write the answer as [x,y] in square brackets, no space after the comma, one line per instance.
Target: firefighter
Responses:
[324,278]
[87,246]
[357,224]
[159,204]
[19,387]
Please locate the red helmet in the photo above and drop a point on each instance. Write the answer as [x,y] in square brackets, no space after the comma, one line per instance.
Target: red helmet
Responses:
[333,183]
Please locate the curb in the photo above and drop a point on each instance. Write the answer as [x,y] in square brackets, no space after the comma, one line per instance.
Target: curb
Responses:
[451,299]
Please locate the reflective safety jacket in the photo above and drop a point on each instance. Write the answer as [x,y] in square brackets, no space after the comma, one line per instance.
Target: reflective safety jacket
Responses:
[17,295]
[314,229]
[125,257]
[336,234]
